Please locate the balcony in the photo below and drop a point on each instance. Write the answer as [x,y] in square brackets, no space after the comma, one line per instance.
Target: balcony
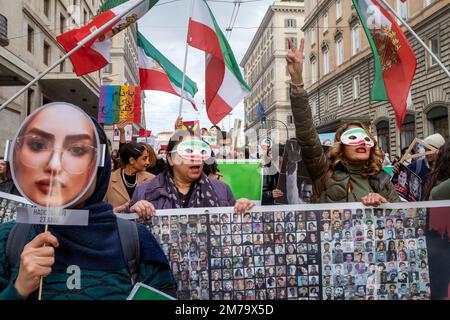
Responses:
[4,41]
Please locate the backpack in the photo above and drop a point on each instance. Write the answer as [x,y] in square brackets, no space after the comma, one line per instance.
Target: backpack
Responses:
[128,234]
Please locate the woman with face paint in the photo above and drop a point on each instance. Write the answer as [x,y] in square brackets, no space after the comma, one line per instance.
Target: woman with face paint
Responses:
[352,171]
[183,184]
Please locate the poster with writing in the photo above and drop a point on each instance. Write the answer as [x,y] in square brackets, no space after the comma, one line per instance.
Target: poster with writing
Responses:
[8,206]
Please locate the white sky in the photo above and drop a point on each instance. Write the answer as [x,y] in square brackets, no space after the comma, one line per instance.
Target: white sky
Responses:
[165,26]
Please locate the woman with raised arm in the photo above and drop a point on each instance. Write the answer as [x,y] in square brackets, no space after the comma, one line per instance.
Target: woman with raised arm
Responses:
[352,170]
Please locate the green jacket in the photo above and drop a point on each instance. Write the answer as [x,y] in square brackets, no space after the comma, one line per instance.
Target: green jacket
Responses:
[318,164]
[441,191]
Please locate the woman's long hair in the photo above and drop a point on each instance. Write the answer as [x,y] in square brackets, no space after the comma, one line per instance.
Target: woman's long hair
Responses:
[373,166]
[440,172]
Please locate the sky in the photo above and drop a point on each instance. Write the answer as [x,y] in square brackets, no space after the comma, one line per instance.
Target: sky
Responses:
[165,26]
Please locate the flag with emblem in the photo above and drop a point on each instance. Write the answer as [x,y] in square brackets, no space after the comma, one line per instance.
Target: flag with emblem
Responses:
[96,54]
[394,59]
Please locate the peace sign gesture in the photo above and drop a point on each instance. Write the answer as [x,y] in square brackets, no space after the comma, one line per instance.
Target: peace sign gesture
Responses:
[294,60]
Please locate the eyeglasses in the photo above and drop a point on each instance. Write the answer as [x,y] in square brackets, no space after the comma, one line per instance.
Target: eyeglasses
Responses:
[37,152]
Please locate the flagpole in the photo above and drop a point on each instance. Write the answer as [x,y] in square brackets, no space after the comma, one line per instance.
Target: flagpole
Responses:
[417,37]
[185,62]
[67,55]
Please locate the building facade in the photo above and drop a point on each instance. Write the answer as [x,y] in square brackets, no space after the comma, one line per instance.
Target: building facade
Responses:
[339,71]
[265,71]
[29,46]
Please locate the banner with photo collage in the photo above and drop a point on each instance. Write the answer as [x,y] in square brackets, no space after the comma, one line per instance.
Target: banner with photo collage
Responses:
[8,206]
[298,252]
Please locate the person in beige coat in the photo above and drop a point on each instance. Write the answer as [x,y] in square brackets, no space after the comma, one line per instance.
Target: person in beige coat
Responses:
[123,181]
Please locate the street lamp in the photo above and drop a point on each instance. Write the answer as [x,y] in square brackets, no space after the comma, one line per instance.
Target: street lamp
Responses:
[287,130]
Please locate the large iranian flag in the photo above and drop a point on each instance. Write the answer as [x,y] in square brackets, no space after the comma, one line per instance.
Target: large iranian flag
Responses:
[225,87]
[395,62]
[156,72]
[96,54]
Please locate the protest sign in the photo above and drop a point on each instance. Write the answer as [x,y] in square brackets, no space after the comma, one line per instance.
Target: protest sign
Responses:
[243,176]
[8,206]
[407,184]
[142,291]
[119,103]
[327,139]
[306,252]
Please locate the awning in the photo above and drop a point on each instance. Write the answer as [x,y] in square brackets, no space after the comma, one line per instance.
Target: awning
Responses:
[67,87]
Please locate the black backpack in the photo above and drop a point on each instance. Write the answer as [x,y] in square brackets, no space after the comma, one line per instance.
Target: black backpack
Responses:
[128,234]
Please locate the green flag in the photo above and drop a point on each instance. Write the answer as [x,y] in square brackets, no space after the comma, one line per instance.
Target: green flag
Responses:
[243,176]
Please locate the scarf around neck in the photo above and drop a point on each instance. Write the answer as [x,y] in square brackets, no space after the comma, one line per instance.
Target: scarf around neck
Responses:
[202,193]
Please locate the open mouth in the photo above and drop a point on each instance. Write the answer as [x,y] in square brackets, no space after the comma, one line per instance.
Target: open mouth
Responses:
[361,150]
[194,168]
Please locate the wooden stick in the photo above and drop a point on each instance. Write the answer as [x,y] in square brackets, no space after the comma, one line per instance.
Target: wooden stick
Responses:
[42,278]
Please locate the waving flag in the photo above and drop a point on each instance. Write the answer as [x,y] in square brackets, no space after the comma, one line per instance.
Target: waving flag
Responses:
[95,54]
[225,86]
[158,73]
[395,62]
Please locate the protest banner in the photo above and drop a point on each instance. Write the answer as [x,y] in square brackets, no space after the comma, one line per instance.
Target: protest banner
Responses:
[8,206]
[407,184]
[119,104]
[306,252]
[327,139]
[243,176]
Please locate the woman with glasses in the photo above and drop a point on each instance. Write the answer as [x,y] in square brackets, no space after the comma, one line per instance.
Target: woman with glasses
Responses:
[124,181]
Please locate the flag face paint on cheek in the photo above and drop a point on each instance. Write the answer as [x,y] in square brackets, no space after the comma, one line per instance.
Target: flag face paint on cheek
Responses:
[356,137]
[194,150]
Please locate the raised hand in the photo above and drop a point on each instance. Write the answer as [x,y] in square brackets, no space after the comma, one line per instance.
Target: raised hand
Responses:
[294,59]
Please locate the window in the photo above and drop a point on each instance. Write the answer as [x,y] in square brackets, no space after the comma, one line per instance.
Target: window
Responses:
[383,135]
[85,16]
[402,9]
[339,51]
[356,44]
[338,9]
[325,22]
[46,58]
[288,93]
[356,87]
[290,23]
[438,121]
[313,70]
[340,94]
[30,39]
[408,131]
[47,8]
[434,45]
[326,61]
[62,24]
[313,105]
[30,97]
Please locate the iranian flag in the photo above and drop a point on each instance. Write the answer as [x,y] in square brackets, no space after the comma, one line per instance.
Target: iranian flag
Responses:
[96,54]
[395,62]
[225,87]
[158,73]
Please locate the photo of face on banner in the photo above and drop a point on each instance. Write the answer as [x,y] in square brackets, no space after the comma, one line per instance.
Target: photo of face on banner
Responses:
[55,155]
[407,184]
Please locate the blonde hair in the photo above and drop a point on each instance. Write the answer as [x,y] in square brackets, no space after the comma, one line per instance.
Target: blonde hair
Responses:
[372,167]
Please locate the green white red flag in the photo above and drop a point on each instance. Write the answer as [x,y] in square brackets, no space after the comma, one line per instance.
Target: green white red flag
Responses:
[156,72]
[394,60]
[225,87]
[96,54]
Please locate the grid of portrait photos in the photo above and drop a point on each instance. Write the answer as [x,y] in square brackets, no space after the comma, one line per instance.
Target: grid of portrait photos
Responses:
[374,254]
[8,207]
[184,240]
[342,254]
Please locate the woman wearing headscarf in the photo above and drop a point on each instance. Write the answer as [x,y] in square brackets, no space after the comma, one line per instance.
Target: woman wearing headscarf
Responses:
[95,249]
[183,184]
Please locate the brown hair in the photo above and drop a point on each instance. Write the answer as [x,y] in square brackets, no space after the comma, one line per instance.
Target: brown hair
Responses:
[373,165]
[151,154]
